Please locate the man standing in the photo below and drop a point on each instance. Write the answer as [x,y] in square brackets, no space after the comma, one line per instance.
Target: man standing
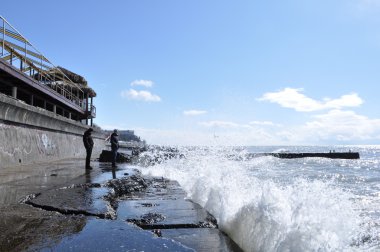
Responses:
[88,144]
[114,146]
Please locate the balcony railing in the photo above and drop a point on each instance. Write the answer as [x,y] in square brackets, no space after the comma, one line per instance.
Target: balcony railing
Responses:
[20,53]
[92,111]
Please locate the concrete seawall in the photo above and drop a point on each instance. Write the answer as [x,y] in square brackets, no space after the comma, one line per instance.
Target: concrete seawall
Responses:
[31,135]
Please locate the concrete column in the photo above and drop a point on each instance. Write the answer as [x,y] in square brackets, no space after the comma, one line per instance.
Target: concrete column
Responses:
[14,92]
[55,109]
[91,112]
[87,109]
[69,115]
[32,100]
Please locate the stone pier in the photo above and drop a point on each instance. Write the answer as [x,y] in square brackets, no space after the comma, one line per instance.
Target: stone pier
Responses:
[59,206]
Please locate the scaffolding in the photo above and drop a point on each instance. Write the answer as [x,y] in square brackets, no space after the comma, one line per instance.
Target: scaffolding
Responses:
[17,51]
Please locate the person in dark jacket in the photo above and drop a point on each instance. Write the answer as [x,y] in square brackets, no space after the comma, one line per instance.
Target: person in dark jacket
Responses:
[88,144]
[114,146]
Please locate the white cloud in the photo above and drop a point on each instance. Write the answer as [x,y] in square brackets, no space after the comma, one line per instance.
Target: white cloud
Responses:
[232,125]
[344,126]
[194,112]
[140,95]
[208,137]
[144,83]
[175,137]
[293,98]
[221,124]
[264,123]
[333,127]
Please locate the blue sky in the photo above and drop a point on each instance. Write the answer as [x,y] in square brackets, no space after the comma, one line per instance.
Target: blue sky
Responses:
[192,72]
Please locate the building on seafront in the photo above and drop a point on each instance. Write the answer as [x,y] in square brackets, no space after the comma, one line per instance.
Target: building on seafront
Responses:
[28,76]
[44,108]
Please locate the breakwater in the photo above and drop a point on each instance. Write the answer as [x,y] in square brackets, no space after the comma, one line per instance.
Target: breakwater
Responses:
[64,208]
[333,155]
[30,135]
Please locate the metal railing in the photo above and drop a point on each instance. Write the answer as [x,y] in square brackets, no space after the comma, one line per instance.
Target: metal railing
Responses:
[20,53]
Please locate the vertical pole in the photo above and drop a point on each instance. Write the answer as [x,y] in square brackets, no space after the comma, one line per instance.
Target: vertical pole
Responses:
[41,68]
[55,109]
[14,92]
[32,100]
[91,111]
[25,53]
[91,106]
[87,109]
[2,50]
[77,97]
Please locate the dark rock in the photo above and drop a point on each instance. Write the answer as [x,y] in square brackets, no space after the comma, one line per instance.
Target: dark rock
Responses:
[151,218]
[106,156]
[126,185]
[157,232]
[148,204]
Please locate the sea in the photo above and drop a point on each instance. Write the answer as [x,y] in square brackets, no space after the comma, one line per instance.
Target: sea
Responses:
[271,204]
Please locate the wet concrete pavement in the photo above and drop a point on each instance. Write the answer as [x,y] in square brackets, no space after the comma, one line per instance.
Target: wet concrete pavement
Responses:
[61,207]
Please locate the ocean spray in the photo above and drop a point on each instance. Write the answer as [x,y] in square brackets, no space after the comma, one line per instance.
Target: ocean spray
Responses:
[265,203]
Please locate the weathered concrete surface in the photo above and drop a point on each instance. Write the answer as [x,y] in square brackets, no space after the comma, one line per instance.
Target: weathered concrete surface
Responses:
[22,226]
[75,200]
[71,209]
[162,208]
[203,239]
[33,135]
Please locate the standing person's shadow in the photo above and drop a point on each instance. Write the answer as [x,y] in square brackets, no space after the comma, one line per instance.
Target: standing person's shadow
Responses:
[113,172]
[88,176]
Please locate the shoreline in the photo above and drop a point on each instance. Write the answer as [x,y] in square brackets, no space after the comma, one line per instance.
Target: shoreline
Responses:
[69,208]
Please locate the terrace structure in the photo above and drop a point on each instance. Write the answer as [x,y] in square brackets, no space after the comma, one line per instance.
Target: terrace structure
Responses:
[27,75]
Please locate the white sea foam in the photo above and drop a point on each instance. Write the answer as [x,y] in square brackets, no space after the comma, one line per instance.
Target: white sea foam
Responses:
[262,206]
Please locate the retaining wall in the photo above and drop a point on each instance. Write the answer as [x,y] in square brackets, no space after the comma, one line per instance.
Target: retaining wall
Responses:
[32,135]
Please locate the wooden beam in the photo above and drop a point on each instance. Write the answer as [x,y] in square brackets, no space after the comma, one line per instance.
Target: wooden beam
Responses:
[36,55]
[29,61]
[14,35]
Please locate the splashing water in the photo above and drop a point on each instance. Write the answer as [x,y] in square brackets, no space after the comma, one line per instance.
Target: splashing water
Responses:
[271,204]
